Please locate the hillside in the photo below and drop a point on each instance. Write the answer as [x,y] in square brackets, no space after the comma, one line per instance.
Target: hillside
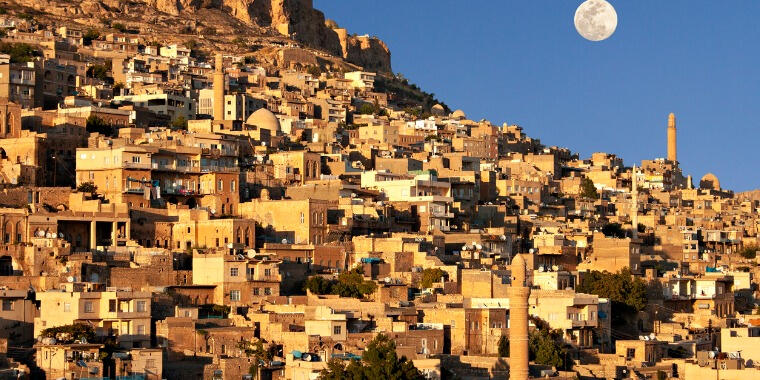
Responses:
[215,24]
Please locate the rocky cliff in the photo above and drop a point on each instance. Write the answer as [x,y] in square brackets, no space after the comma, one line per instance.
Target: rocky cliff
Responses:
[296,19]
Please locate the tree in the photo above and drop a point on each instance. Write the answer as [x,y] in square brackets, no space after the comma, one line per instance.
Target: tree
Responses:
[546,348]
[366,109]
[87,187]
[315,71]
[431,276]
[588,190]
[119,26]
[379,361]
[19,53]
[90,35]
[627,293]
[613,230]
[503,346]
[98,125]
[98,71]
[67,334]
[749,251]
[255,349]
[348,284]
[179,123]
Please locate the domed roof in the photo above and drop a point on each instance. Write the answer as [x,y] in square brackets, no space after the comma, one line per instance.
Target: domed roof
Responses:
[264,118]
[438,110]
[709,181]
[458,114]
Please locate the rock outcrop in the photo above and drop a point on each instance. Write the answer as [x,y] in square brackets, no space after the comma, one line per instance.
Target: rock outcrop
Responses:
[295,19]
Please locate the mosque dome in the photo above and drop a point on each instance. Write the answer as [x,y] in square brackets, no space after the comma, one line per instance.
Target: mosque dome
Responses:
[458,114]
[265,119]
[438,110]
[709,182]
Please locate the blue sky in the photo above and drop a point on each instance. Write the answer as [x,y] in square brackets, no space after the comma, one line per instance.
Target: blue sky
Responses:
[523,62]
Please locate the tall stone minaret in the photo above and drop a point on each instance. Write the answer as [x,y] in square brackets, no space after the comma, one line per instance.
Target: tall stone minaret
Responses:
[519,293]
[634,203]
[672,154]
[219,88]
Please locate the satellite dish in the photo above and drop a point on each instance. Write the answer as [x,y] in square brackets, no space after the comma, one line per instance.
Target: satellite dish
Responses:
[50,235]
[464,247]
[555,268]
[251,254]
[503,237]
[478,246]
[40,233]
[70,279]
[284,241]
[541,269]
[60,235]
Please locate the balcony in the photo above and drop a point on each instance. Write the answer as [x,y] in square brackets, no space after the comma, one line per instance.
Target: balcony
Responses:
[131,190]
[442,214]
[135,165]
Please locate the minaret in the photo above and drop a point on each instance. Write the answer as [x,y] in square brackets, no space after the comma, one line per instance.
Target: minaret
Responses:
[519,293]
[634,203]
[672,155]
[219,88]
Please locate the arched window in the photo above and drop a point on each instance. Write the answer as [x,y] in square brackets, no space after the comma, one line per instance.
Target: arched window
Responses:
[19,232]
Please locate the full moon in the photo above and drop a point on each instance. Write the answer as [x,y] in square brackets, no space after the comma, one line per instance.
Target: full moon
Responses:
[595,20]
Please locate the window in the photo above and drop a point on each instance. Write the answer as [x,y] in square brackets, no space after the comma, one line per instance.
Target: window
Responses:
[140,329]
[88,307]
[630,353]
[7,305]
[67,307]
[336,330]
[232,185]
[233,272]
[220,185]
[267,272]
[141,306]
[301,218]
[111,306]
[267,291]
[255,291]
[235,295]
[136,159]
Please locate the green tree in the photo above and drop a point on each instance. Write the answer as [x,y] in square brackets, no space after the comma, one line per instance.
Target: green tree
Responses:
[98,71]
[315,71]
[179,123]
[67,334]
[19,52]
[348,284]
[379,361]
[98,125]
[627,293]
[545,347]
[749,251]
[87,187]
[255,349]
[503,347]
[588,190]
[90,35]
[431,276]
[366,109]
[613,230]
